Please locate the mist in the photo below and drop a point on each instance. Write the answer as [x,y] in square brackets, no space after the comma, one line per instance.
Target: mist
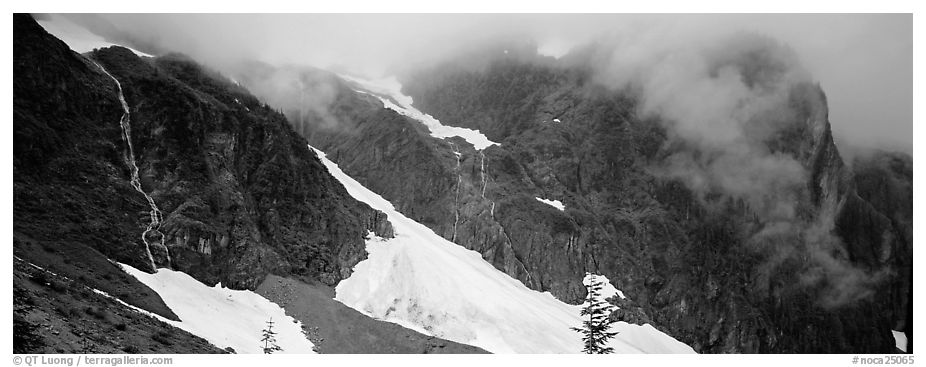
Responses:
[864,62]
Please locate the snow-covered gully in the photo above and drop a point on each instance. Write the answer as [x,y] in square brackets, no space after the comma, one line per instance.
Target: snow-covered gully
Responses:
[389,91]
[424,282]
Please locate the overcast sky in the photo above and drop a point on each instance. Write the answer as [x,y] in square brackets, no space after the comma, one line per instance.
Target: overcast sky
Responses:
[863,62]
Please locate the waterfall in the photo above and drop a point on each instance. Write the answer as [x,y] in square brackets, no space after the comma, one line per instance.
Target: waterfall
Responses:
[485,182]
[482,170]
[155,214]
[456,198]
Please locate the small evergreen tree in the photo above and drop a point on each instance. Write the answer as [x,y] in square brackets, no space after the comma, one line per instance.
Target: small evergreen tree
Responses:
[269,340]
[596,329]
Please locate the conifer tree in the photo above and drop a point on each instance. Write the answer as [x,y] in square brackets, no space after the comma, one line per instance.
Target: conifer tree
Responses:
[269,340]
[596,328]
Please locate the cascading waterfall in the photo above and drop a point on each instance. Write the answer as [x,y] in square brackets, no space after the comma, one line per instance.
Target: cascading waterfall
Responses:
[485,182]
[482,170]
[155,214]
[456,198]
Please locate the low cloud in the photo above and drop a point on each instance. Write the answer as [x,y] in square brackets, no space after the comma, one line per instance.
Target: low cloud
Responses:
[863,61]
[725,98]
[305,94]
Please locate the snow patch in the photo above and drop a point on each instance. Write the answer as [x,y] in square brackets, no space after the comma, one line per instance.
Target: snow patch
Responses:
[77,37]
[900,340]
[554,203]
[389,91]
[224,317]
[422,280]
[34,266]
[136,309]
[607,290]
[554,48]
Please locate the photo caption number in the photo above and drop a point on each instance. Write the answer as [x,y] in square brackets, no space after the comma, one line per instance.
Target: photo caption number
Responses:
[892,359]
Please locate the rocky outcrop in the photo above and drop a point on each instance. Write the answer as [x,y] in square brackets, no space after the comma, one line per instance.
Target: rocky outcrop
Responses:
[241,193]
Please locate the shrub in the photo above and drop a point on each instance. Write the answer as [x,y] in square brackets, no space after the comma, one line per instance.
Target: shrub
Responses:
[49,247]
[58,286]
[67,311]
[131,349]
[98,313]
[40,277]
[162,337]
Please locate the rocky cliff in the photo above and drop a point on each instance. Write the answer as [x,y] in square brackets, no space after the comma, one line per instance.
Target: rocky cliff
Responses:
[775,269]
[241,194]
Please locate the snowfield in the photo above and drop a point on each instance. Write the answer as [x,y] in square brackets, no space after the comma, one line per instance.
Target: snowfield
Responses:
[425,282]
[222,316]
[900,340]
[389,91]
[77,37]
[554,203]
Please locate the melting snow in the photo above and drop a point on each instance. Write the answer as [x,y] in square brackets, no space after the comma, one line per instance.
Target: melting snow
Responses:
[389,91]
[554,203]
[555,48]
[900,340]
[420,280]
[608,290]
[136,309]
[77,37]
[224,317]
[33,265]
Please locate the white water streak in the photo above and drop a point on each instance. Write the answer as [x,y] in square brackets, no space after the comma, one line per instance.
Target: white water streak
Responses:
[482,170]
[155,213]
[456,198]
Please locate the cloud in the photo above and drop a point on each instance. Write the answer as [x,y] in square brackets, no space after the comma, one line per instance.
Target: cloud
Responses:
[305,94]
[721,100]
[863,61]
[725,98]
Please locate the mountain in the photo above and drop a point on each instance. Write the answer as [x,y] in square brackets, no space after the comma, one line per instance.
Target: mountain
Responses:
[226,192]
[456,209]
[236,186]
[420,280]
[775,267]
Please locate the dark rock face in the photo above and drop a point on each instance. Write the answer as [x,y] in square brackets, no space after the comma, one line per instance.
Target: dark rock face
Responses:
[241,194]
[695,263]
[698,266]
